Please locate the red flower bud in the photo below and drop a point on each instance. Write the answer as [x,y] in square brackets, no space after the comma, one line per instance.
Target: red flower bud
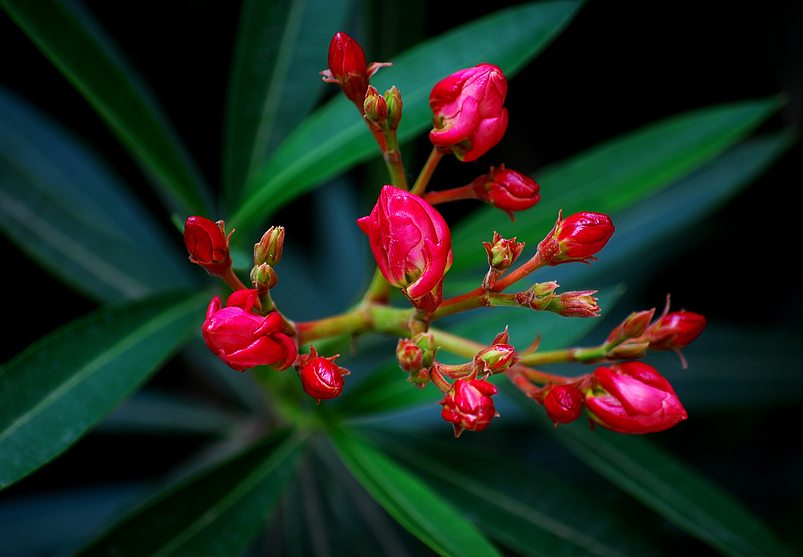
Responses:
[469,115]
[243,339]
[347,68]
[208,244]
[632,397]
[576,238]
[468,405]
[412,245]
[320,377]
[675,330]
[563,403]
[497,357]
[507,190]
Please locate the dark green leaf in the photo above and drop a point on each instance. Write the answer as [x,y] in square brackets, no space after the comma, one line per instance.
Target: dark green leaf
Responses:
[214,513]
[65,383]
[616,174]
[410,501]
[274,84]
[74,42]
[671,488]
[516,503]
[335,138]
[69,212]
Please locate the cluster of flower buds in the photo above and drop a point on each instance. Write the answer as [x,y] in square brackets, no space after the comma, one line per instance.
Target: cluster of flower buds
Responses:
[249,332]
[628,397]
[412,245]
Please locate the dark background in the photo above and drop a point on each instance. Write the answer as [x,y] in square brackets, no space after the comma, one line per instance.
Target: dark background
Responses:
[618,66]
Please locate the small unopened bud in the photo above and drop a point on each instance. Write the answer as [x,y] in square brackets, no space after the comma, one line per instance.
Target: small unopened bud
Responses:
[563,403]
[394,102]
[501,255]
[263,277]
[575,304]
[576,238]
[468,405]
[320,377]
[348,68]
[208,244]
[269,248]
[375,109]
[497,357]
[507,190]
[538,296]
[632,327]
[409,355]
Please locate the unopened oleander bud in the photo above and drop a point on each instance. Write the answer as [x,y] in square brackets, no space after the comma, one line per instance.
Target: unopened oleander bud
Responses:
[502,253]
[576,238]
[269,248]
[468,405]
[633,326]
[375,109]
[348,68]
[507,190]
[563,403]
[208,244]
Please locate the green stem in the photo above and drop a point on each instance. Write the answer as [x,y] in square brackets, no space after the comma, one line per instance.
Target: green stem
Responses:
[422,181]
[393,161]
[365,317]
[477,298]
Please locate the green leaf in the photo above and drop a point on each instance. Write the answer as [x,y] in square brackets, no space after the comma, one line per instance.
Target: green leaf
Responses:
[410,501]
[71,214]
[281,47]
[214,513]
[616,174]
[76,44]
[334,138]
[670,488]
[648,231]
[59,387]
[518,504]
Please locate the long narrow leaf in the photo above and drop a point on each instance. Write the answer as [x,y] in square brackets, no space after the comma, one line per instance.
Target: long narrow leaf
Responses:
[59,202]
[617,173]
[410,501]
[539,515]
[274,81]
[65,383]
[334,138]
[215,513]
[75,43]
[671,488]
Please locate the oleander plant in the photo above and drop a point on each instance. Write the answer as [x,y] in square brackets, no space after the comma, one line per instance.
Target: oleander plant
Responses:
[390,362]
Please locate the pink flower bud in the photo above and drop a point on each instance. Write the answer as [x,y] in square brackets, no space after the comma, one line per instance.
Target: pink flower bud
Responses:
[347,68]
[632,397]
[412,245]
[575,304]
[468,405]
[576,238]
[208,244]
[507,190]
[243,339]
[320,377]
[409,355]
[675,330]
[469,115]
[563,403]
